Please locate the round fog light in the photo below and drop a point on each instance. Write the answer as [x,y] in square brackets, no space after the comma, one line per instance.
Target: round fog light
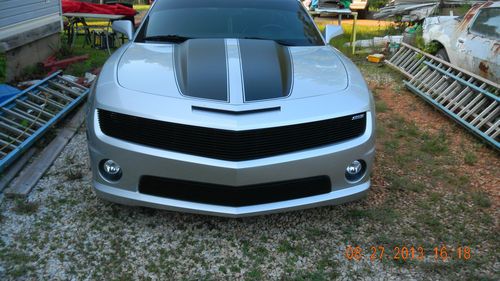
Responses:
[110,170]
[355,170]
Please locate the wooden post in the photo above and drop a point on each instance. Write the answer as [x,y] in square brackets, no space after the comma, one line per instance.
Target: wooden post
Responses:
[353,34]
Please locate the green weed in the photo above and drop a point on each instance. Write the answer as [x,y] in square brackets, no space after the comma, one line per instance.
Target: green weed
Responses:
[381,106]
[435,144]
[24,207]
[470,158]
[481,199]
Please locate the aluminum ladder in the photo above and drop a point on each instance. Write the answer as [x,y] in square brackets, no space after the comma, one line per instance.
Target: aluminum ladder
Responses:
[469,99]
[27,116]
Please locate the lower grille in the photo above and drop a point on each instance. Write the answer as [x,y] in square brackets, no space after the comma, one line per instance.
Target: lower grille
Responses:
[230,145]
[234,196]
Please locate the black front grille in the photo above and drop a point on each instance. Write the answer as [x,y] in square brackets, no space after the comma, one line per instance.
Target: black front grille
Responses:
[230,145]
[234,196]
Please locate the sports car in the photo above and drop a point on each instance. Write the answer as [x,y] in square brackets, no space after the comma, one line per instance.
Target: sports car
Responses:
[230,108]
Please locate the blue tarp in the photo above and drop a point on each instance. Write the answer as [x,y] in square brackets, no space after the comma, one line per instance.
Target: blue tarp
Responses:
[7,92]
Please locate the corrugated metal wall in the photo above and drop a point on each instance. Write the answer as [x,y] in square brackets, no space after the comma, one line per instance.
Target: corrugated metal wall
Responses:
[16,11]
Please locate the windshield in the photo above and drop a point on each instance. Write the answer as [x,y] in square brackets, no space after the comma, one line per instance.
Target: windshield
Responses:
[487,23]
[284,21]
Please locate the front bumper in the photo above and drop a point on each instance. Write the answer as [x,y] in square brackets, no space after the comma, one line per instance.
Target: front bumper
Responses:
[137,161]
[132,198]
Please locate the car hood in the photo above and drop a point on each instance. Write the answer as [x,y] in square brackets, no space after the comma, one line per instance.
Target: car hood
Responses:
[231,70]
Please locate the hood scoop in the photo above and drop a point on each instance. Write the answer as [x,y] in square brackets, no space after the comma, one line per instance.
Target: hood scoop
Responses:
[235,112]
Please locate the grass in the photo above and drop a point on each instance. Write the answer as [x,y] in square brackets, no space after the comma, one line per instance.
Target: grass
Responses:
[141,8]
[374,5]
[404,183]
[381,106]
[21,262]
[362,32]
[96,59]
[24,207]
[416,161]
[470,158]
[435,144]
[481,199]
[74,173]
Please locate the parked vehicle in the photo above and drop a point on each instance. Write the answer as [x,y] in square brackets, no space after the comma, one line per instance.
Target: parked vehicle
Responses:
[471,42]
[360,6]
[230,108]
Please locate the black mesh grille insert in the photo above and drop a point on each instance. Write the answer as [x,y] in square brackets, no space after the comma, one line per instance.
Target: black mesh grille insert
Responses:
[230,145]
[234,196]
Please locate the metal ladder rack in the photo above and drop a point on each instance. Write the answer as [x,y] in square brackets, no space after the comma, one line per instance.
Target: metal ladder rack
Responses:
[25,117]
[469,99]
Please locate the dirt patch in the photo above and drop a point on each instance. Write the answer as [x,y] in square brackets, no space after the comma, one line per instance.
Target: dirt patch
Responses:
[484,171]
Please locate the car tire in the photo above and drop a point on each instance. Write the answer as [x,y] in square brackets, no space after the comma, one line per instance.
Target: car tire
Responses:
[442,54]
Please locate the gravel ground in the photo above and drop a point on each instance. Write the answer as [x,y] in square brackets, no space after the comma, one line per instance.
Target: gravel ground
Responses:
[64,232]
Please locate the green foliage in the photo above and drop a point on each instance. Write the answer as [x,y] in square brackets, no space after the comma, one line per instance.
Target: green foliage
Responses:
[31,72]
[96,57]
[24,207]
[381,106]
[374,5]
[431,47]
[435,144]
[481,199]
[24,123]
[140,8]
[64,51]
[463,9]
[362,32]
[470,158]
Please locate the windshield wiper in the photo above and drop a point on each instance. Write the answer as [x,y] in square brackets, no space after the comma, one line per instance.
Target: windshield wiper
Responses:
[281,42]
[167,38]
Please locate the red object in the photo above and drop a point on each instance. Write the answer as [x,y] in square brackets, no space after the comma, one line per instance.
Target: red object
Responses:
[83,7]
[55,65]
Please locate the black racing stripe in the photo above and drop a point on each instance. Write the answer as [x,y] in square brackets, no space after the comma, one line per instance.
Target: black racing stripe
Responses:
[201,69]
[266,69]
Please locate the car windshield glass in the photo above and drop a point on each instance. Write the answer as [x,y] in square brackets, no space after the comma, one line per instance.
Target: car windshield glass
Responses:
[284,21]
[487,23]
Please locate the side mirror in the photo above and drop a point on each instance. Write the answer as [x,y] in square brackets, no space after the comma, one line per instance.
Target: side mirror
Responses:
[124,27]
[332,31]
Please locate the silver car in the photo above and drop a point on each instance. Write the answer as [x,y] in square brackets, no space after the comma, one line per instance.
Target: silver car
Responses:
[230,108]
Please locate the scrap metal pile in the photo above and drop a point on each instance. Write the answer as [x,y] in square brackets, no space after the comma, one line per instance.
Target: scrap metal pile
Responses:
[26,116]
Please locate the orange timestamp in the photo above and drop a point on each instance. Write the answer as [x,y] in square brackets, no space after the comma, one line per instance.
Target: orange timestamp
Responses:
[407,253]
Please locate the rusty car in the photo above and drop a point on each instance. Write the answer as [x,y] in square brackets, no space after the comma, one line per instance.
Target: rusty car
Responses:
[471,42]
